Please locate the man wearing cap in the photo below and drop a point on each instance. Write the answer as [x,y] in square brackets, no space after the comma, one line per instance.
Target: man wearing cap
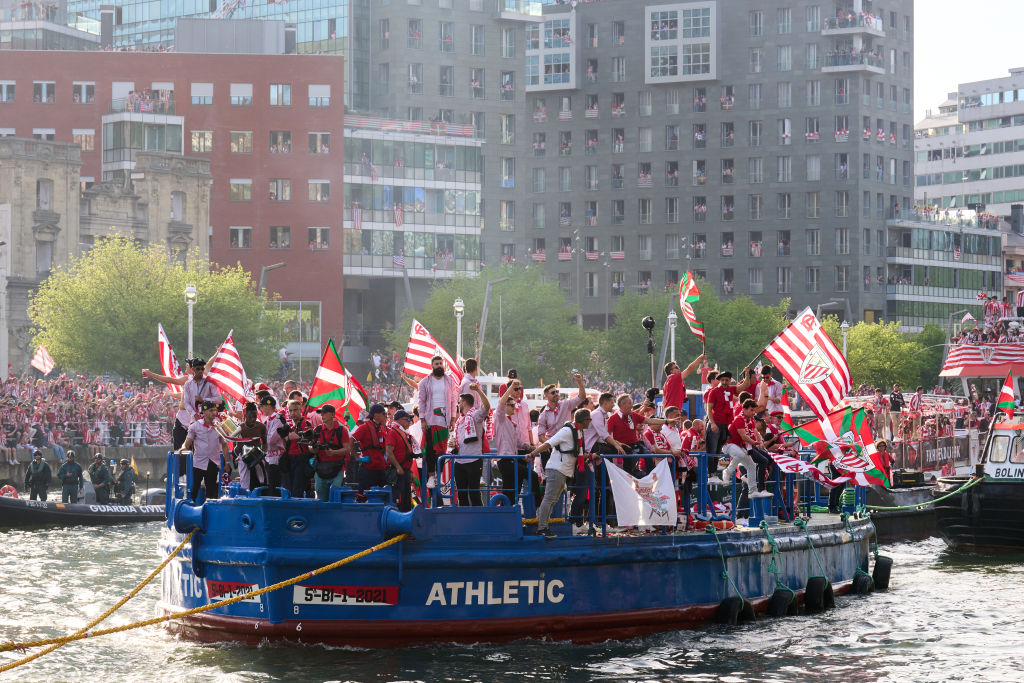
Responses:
[334,447]
[438,406]
[255,433]
[37,476]
[402,450]
[274,422]
[372,436]
[101,479]
[195,389]
[71,480]
[393,409]
[124,487]
[295,468]
[209,449]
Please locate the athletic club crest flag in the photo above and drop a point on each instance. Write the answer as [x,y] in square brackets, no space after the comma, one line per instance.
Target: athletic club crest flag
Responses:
[650,501]
[806,356]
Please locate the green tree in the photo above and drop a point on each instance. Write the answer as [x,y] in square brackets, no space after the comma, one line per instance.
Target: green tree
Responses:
[625,347]
[880,354]
[99,313]
[538,331]
[737,330]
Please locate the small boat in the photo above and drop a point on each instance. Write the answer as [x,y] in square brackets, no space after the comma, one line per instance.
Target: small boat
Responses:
[910,524]
[481,574]
[22,512]
[989,514]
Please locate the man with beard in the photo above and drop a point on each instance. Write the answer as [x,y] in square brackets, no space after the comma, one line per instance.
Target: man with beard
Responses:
[438,406]
[194,390]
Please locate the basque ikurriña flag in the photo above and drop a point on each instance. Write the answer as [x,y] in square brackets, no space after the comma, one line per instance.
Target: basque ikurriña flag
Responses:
[1006,400]
[806,356]
[688,293]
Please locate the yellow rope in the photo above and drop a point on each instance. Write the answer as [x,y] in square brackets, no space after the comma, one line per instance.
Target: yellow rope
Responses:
[80,635]
[85,629]
[533,520]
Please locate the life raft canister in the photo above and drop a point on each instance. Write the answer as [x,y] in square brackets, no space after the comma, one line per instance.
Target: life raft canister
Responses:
[8,491]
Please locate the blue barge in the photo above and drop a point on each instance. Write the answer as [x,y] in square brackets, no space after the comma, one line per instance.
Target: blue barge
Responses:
[471,574]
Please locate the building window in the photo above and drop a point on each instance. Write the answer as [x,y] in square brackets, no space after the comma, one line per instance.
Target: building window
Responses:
[202,141]
[813,280]
[44,193]
[507,127]
[319,143]
[202,94]
[842,203]
[280,190]
[813,204]
[44,92]
[280,237]
[446,36]
[508,43]
[784,279]
[538,217]
[320,95]
[508,172]
[83,93]
[241,189]
[280,94]
[842,241]
[280,142]
[476,39]
[6,92]
[385,33]
[84,138]
[318,190]
[756,203]
[539,180]
[240,236]
[241,94]
[241,142]
[415,38]
[507,215]
[319,238]
[842,278]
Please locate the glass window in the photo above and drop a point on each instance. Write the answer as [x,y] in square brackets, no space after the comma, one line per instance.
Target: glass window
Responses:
[240,190]
[318,190]
[241,142]
[240,236]
[319,238]
[280,237]
[280,94]
[202,141]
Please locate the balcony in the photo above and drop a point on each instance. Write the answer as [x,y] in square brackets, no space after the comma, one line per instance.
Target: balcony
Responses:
[912,254]
[914,292]
[142,105]
[844,60]
[850,24]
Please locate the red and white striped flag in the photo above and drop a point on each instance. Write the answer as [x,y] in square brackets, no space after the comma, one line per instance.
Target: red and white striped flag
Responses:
[967,316]
[806,356]
[42,361]
[227,374]
[168,362]
[399,215]
[1020,299]
[357,217]
[422,347]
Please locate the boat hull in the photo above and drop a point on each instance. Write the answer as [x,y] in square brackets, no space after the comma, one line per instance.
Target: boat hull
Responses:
[19,512]
[987,516]
[472,575]
[903,525]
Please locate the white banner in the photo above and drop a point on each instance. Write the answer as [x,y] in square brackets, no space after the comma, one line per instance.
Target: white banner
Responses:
[650,501]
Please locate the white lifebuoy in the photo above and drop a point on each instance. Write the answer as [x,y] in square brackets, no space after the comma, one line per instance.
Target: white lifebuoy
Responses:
[9,491]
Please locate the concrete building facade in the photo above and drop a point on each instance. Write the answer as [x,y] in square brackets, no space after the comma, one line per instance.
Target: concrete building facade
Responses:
[762,148]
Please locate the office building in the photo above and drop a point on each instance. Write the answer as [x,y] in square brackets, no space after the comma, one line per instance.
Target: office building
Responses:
[762,148]
[269,126]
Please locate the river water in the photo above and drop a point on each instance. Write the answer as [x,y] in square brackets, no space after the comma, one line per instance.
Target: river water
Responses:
[947,616]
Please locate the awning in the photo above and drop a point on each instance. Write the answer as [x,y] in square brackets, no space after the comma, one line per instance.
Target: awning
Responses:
[990,360]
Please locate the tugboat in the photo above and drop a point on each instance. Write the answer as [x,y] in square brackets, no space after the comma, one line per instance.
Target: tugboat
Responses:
[482,574]
[989,514]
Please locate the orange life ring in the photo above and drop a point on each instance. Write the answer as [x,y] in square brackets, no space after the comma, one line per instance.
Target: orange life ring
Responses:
[700,525]
[9,491]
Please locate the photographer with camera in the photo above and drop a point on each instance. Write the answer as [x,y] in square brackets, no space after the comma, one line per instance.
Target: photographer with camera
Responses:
[372,437]
[294,464]
[331,445]
[251,468]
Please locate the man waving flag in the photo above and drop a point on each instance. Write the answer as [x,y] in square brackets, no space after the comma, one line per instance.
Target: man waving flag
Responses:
[168,361]
[334,385]
[688,293]
[1006,400]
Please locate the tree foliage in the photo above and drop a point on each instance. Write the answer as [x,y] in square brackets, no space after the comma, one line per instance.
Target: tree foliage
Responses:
[99,313]
[880,354]
[537,324]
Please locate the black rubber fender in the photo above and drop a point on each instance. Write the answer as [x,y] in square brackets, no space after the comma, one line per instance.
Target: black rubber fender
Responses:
[782,603]
[746,613]
[814,594]
[828,597]
[863,584]
[729,611]
[883,568]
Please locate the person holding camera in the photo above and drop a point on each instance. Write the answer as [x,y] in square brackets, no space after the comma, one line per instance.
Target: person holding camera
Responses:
[275,442]
[469,430]
[251,474]
[295,468]
[208,448]
[333,445]
[372,437]
[565,447]
[674,389]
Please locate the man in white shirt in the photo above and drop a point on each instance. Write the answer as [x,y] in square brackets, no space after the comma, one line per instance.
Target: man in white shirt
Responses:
[437,403]
[565,445]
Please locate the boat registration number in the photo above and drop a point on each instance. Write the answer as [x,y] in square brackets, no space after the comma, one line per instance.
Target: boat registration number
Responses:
[222,590]
[360,596]
[1009,472]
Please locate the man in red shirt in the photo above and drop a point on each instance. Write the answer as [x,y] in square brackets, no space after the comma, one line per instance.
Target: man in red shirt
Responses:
[743,437]
[372,437]
[624,426]
[332,454]
[401,450]
[718,404]
[674,389]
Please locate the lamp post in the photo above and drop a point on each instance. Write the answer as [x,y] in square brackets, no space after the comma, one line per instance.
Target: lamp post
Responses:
[672,318]
[190,299]
[460,310]
[845,327]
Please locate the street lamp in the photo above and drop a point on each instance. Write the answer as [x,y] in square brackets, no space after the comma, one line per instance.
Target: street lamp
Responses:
[672,318]
[460,310]
[190,299]
[845,327]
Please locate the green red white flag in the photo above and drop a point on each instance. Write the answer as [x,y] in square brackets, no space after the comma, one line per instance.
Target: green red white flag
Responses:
[843,428]
[787,414]
[1006,400]
[688,294]
[334,385]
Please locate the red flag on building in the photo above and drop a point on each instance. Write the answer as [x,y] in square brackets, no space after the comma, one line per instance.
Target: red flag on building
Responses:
[422,347]
[168,362]
[227,374]
[815,368]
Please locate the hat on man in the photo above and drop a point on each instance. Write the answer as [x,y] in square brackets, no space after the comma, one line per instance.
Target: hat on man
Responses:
[124,461]
[377,408]
[196,363]
[395,404]
[326,408]
[206,405]
[97,456]
[777,413]
[37,453]
[402,415]
[268,400]
[261,386]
